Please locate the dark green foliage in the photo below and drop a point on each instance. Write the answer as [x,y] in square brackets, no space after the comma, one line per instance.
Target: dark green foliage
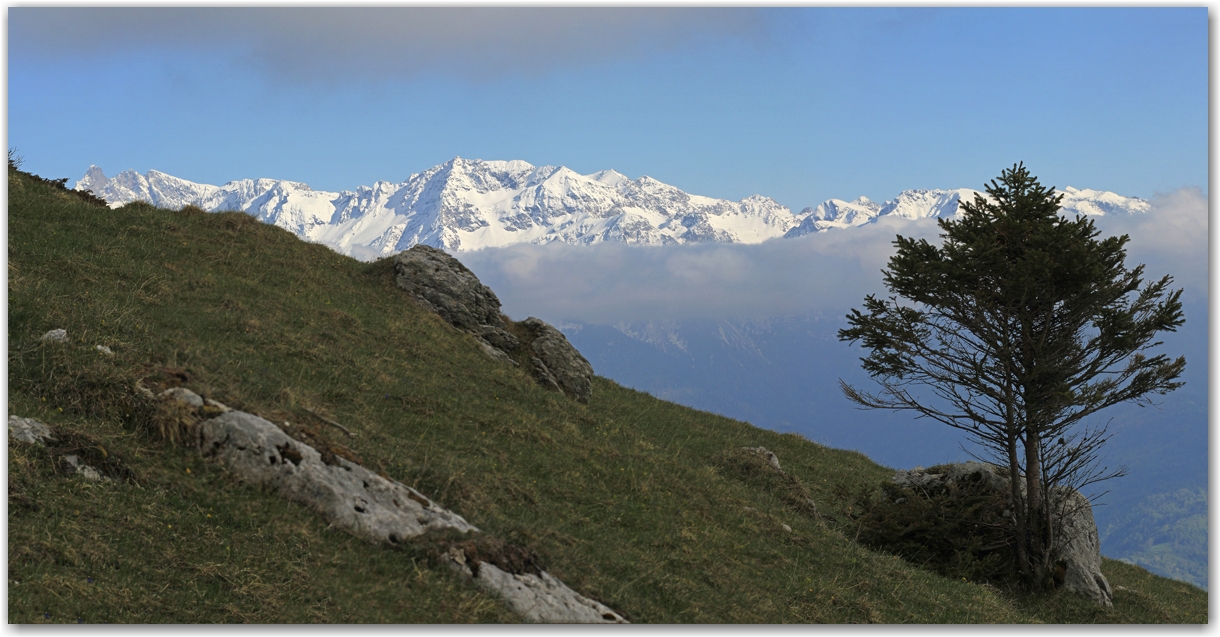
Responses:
[958,530]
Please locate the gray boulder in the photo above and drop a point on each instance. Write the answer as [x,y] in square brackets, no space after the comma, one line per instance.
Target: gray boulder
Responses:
[544,376]
[442,284]
[446,287]
[1080,548]
[562,363]
[1077,545]
[495,353]
[996,477]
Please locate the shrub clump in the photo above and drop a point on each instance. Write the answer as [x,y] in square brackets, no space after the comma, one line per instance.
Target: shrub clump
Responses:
[60,185]
[959,529]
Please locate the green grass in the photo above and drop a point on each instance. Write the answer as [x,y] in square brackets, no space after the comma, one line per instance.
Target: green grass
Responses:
[639,503]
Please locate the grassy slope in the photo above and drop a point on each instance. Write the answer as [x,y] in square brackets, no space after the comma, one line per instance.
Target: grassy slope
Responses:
[631,500]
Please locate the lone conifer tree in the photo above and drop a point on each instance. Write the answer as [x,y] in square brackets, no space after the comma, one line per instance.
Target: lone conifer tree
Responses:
[1021,324]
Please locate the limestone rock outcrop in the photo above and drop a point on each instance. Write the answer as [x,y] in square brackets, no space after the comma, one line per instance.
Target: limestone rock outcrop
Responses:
[535,596]
[376,508]
[445,286]
[345,493]
[1080,549]
[995,477]
[1077,545]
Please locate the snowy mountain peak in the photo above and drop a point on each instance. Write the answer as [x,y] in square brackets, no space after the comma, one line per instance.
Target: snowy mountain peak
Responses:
[612,178]
[94,180]
[923,204]
[468,204]
[1099,202]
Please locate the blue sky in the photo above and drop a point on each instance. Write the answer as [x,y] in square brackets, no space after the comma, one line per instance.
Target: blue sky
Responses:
[799,104]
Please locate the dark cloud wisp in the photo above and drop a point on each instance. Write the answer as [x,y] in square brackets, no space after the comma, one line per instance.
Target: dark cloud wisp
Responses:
[332,44]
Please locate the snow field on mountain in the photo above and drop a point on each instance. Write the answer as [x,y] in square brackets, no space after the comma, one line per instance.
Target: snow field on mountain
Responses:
[464,205]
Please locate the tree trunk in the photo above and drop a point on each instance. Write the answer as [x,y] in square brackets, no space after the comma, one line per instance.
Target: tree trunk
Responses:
[1035,509]
[1018,507]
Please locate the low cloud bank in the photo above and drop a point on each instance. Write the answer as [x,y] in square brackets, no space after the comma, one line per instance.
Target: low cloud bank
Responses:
[827,273]
[608,283]
[1172,239]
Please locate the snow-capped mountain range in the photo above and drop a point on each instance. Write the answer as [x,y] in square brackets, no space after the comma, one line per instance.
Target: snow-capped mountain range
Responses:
[466,204]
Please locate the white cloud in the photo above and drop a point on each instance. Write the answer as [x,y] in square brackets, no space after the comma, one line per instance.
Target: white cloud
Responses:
[1171,239]
[827,273]
[609,283]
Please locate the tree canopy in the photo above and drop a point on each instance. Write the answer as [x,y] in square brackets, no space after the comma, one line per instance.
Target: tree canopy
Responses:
[1019,326]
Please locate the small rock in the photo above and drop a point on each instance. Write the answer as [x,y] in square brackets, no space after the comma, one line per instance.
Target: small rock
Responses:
[786,527]
[183,395]
[28,430]
[83,469]
[769,456]
[56,336]
[105,350]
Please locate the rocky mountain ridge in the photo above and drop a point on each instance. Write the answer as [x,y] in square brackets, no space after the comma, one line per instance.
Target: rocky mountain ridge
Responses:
[465,204]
